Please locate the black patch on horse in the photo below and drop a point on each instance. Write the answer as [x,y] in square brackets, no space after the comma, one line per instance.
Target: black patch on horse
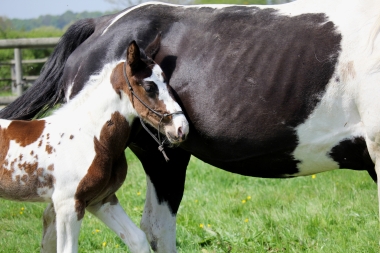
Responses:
[353,154]
[247,78]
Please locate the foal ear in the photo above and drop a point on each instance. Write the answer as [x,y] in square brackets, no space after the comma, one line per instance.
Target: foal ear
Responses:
[134,58]
[133,53]
[153,48]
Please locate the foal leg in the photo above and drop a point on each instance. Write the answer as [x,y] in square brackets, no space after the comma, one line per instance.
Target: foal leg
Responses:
[112,214]
[68,225]
[49,238]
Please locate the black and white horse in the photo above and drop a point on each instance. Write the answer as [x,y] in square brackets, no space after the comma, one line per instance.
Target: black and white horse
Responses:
[269,91]
[75,158]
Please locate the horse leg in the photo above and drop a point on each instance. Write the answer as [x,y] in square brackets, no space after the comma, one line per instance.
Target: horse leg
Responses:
[165,186]
[68,222]
[49,238]
[112,214]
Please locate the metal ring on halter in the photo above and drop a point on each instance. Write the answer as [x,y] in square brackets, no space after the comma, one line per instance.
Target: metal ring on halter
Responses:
[162,116]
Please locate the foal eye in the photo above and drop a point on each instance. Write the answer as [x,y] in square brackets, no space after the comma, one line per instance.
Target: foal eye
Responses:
[150,87]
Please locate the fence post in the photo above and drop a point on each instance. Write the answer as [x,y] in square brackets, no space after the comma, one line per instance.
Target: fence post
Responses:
[13,77]
[18,70]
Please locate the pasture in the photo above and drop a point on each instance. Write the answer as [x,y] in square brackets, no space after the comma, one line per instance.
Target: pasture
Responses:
[222,212]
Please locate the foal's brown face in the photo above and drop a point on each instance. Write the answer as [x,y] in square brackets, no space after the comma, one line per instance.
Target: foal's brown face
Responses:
[148,82]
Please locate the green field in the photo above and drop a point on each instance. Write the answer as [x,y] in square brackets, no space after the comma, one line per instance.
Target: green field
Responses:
[222,212]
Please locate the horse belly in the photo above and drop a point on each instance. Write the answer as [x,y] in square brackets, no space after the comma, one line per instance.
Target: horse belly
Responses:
[332,137]
[23,158]
[24,178]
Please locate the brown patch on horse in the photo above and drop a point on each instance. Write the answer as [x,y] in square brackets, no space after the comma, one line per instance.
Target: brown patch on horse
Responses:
[25,185]
[117,79]
[49,149]
[25,132]
[71,137]
[51,167]
[109,167]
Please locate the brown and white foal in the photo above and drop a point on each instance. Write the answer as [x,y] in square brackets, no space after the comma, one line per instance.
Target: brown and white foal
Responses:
[75,158]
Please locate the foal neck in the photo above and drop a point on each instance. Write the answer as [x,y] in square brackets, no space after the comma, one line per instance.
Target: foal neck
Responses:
[96,103]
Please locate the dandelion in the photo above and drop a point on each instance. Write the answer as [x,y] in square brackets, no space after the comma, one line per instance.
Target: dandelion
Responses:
[117,246]
[196,201]
[249,197]
[246,220]
[97,230]
[201,225]
[138,193]
[243,201]
[208,225]
[313,176]
[104,244]
[21,212]
[22,208]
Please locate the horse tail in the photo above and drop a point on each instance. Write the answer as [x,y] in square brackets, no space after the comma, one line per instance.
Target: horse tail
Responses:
[48,89]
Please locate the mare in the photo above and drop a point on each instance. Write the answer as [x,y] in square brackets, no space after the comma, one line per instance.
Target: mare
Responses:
[75,158]
[269,91]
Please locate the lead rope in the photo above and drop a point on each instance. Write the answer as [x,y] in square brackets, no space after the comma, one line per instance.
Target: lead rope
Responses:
[158,140]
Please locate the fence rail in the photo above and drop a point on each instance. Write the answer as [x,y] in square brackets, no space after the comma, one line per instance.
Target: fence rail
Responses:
[16,64]
[28,43]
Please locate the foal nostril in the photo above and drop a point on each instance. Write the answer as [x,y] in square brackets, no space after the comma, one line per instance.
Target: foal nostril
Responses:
[179,133]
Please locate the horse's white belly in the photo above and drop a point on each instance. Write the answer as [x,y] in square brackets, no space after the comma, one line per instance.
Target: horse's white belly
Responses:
[335,119]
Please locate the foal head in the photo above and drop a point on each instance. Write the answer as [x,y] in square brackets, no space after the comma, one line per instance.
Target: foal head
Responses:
[144,82]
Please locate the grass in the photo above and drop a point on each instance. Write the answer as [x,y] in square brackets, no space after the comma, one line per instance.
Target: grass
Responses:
[223,212]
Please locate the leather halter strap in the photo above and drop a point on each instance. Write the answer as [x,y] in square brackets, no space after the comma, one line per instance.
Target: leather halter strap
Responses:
[161,115]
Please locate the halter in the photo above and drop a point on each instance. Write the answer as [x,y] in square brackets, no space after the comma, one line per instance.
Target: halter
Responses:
[162,116]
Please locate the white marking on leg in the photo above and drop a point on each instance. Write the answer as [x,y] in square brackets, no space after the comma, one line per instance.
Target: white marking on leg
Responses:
[68,226]
[158,222]
[115,218]
[49,238]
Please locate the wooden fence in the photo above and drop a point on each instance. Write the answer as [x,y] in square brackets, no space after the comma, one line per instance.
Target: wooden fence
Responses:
[17,78]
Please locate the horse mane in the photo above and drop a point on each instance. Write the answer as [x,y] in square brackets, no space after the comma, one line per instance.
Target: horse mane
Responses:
[48,89]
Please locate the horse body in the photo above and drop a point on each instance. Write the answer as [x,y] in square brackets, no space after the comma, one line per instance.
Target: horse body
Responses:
[75,158]
[269,91]
[297,60]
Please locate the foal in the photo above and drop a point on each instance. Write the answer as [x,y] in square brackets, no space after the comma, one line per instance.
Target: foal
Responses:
[75,158]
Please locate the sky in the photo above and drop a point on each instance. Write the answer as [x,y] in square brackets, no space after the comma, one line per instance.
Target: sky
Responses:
[25,9]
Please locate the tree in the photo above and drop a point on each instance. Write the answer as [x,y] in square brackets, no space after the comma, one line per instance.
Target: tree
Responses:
[5,26]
